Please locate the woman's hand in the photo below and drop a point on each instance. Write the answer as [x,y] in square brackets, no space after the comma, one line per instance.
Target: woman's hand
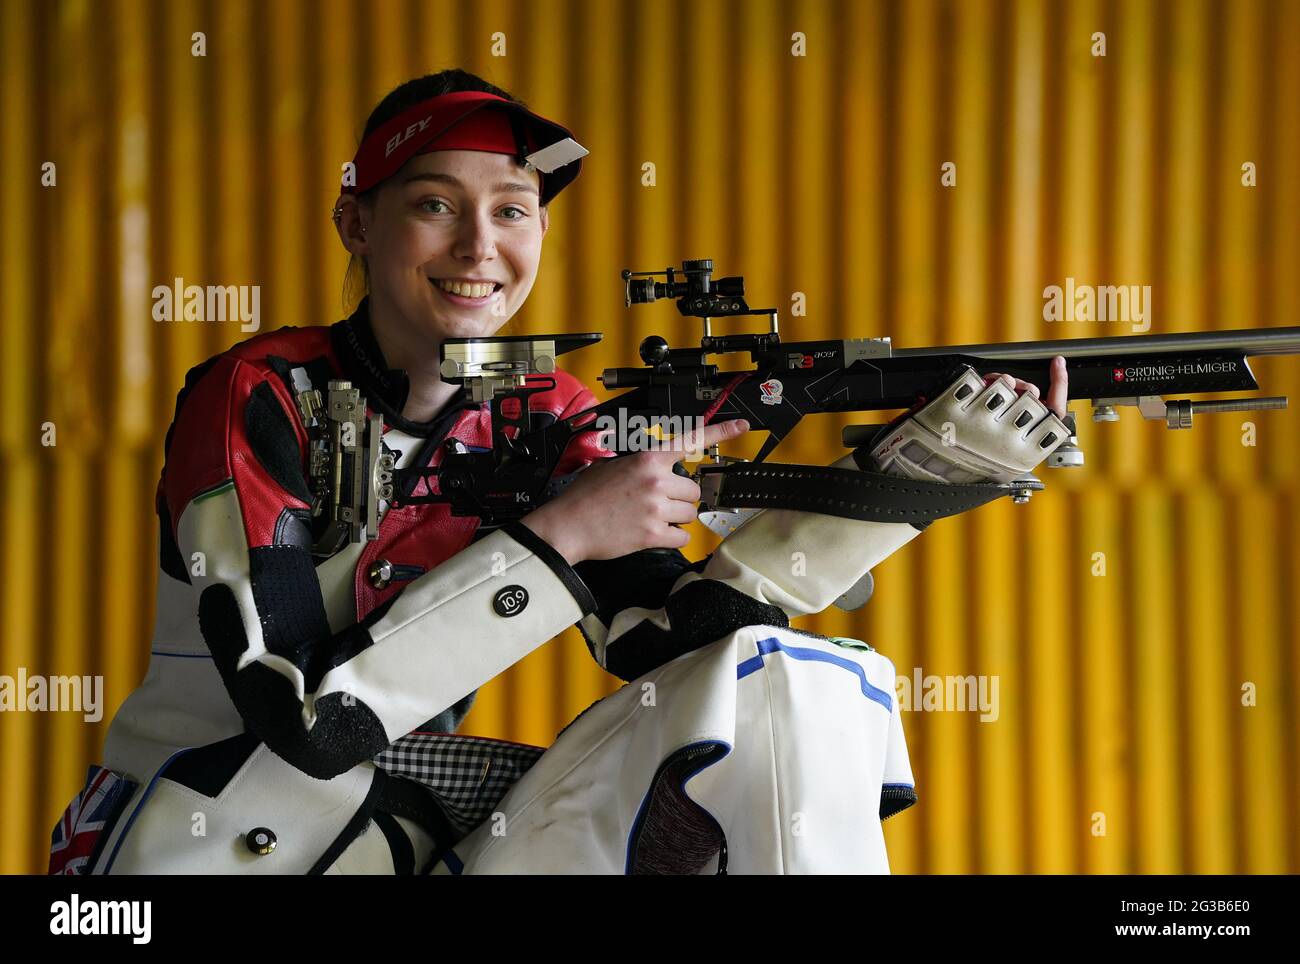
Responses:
[629,503]
[1057,396]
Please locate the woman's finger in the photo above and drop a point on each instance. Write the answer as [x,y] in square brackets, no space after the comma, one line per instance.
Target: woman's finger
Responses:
[1017,385]
[671,538]
[680,488]
[692,445]
[1004,378]
[1058,395]
[676,511]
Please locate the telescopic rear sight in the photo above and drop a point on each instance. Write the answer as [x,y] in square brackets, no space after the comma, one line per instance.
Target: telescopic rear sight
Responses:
[693,286]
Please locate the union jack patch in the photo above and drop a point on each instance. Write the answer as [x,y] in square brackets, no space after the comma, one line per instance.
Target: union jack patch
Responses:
[90,814]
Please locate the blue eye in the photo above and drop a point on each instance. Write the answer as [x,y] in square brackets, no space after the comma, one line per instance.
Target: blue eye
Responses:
[433,201]
[522,213]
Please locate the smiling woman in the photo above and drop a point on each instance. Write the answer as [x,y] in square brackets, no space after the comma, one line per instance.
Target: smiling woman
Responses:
[287,657]
[393,106]
[445,227]
[313,657]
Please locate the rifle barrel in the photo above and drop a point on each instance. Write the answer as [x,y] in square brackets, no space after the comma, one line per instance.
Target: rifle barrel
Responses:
[1246,341]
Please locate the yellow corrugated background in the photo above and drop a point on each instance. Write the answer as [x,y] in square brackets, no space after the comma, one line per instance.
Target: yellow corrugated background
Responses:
[1120,694]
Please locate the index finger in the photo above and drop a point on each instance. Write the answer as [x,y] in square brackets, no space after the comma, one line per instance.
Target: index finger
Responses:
[690,446]
[1058,395]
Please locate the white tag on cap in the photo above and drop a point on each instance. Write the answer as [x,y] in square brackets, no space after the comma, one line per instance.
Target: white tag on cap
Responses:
[552,158]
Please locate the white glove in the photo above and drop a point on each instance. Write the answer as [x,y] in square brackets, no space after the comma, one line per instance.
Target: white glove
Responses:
[971,433]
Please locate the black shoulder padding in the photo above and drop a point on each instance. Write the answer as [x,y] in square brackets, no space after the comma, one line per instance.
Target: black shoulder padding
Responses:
[346,731]
[641,578]
[699,613]
[273,440]
[288,600]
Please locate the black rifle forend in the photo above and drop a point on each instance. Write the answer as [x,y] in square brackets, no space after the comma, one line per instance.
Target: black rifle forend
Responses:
[677,389]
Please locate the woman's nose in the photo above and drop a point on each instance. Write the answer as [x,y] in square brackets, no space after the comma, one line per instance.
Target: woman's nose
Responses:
[475,238]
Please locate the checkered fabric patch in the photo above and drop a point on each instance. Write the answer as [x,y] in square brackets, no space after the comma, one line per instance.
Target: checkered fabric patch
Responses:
[467,774]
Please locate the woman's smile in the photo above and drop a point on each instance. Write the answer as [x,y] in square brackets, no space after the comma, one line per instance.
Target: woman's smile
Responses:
[470,294]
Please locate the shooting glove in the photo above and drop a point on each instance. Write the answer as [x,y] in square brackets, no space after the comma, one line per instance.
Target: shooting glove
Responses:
[971,433]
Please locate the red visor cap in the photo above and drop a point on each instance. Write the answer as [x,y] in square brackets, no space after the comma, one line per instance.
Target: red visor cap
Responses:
[459,122]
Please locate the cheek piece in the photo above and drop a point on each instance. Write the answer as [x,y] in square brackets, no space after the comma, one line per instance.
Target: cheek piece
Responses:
[472,121]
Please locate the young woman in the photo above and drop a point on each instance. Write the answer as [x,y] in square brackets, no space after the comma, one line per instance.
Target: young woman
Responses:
[284,665]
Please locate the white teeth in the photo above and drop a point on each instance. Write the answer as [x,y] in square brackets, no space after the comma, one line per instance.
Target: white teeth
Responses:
[466,290]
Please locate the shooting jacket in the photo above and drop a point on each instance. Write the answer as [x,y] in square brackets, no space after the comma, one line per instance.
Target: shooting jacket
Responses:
[299,713]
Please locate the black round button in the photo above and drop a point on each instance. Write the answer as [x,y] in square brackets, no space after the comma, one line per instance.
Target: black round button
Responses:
[260,840]
[510,601]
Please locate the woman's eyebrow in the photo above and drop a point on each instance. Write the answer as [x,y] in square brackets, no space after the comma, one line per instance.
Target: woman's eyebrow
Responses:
[505,187]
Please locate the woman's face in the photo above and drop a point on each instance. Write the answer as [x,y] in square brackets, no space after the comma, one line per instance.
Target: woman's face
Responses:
[448,217]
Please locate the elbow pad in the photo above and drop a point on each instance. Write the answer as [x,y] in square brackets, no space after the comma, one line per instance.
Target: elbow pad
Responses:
[802,562]
[325,702]
[779,564]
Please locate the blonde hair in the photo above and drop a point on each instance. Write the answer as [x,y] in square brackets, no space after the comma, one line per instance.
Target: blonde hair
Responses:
[356,283]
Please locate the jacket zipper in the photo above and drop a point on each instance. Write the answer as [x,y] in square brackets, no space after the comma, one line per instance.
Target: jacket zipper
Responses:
[897,798]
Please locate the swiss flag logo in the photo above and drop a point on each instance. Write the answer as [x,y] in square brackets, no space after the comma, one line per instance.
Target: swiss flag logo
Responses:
[1117,374]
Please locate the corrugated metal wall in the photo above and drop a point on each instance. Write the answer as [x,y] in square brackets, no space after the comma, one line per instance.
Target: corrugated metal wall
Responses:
[1120,695]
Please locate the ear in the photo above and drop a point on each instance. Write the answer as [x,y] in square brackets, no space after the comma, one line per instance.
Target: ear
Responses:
[348,222]
[546,221]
